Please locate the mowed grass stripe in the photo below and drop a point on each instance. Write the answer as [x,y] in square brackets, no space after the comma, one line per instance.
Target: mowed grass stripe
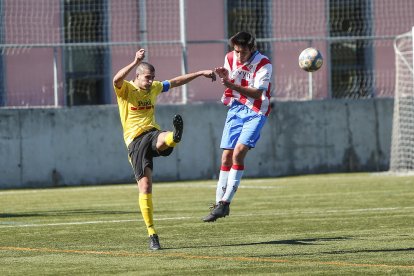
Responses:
[326,224]
[187,256]
[320,212]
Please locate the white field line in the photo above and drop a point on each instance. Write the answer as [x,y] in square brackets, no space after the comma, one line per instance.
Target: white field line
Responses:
[21,225]
[158,186]
[276,181]
[87,222]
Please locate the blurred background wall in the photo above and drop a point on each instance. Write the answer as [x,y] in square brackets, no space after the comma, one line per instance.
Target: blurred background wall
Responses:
[84,145]
[58,120]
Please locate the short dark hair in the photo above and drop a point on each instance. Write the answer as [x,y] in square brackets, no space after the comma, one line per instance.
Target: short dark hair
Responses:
[244,39]
[145,65]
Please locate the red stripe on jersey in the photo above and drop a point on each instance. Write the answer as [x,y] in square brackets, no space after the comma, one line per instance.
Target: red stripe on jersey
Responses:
[230,59]
[262,63]
[242,99]
[244,67]
[237,167]
[243,83]
[257,104]
[228,92]
[133,108]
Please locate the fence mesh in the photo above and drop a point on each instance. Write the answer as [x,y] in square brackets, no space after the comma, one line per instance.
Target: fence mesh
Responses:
[65,52]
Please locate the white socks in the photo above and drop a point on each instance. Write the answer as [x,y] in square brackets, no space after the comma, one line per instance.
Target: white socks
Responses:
[222,183]
[233,181]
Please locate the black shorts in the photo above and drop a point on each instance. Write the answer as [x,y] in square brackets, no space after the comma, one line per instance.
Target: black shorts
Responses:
[142,150]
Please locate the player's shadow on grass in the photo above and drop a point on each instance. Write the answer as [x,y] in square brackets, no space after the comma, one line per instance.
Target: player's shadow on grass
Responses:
[313,241]
[338,252]
[371,250]
[61,213]
[319,241]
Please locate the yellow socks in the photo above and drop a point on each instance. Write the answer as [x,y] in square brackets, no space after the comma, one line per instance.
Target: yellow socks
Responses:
[145,204]
[169,141]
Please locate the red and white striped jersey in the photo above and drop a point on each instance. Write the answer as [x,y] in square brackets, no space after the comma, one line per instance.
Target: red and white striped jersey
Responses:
[256,73]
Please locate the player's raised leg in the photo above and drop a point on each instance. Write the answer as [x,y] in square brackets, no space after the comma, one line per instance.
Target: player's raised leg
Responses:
[170,139]
[178,124]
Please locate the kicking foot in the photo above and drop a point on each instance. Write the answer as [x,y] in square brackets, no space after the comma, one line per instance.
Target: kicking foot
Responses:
[178,128]
[219,211]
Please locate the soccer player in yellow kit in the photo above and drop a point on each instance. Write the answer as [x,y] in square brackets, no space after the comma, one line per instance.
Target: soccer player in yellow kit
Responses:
[143,136]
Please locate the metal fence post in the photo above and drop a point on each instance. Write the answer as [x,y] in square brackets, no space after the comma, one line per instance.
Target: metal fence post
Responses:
[183,38]
[55,77]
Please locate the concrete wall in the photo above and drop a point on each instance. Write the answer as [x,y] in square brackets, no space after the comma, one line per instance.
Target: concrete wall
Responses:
[84,145]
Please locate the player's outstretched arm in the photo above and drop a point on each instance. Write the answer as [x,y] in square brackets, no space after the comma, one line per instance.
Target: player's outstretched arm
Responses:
[245,91]
[121,75]
[181,80]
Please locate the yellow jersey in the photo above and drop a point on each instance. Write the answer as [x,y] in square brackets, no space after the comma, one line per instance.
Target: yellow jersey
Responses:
[137,108]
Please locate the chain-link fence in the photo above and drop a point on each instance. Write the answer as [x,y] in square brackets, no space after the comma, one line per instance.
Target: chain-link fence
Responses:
[65,52]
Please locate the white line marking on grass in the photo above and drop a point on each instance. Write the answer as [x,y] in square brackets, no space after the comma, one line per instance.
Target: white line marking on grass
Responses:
[260,187]
[20,225]
[132,186]
[86,222]
[213,186]
[321,212]
[67,189]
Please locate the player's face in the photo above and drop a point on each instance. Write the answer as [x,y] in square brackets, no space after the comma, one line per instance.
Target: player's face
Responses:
[145,79]
[242,53]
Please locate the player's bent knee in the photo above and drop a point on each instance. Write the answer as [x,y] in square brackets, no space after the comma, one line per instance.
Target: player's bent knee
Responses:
[166,152]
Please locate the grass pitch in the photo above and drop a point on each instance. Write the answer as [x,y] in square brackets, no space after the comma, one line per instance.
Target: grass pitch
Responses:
[325,224]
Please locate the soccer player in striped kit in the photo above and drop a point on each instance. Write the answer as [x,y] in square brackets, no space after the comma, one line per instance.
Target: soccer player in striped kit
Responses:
[246,76]
[143,136]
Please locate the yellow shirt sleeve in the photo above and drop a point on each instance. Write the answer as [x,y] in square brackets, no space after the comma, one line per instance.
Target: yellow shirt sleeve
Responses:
[120,92]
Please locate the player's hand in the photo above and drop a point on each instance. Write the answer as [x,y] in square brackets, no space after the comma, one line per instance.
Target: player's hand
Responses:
[222,72]
[209,74]
[227,83]
[139,56]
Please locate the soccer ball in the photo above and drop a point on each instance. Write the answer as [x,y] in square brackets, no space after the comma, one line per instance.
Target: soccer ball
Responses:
[310,60]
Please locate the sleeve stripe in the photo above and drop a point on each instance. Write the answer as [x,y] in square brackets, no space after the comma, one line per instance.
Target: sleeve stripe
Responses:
[166,86]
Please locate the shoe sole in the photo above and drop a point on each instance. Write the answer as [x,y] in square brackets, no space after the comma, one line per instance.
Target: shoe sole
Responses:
[178,124]
[213,219]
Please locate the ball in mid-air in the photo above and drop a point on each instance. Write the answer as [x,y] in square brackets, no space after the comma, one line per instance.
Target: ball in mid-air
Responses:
[310,59]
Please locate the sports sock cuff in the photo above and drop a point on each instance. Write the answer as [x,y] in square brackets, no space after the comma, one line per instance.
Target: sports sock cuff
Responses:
[145,196]
[145,200]
[169,140]
[225,168]
[238,167]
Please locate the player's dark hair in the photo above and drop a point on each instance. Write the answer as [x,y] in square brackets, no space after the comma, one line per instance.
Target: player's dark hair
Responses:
[145,65]
[243,39]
